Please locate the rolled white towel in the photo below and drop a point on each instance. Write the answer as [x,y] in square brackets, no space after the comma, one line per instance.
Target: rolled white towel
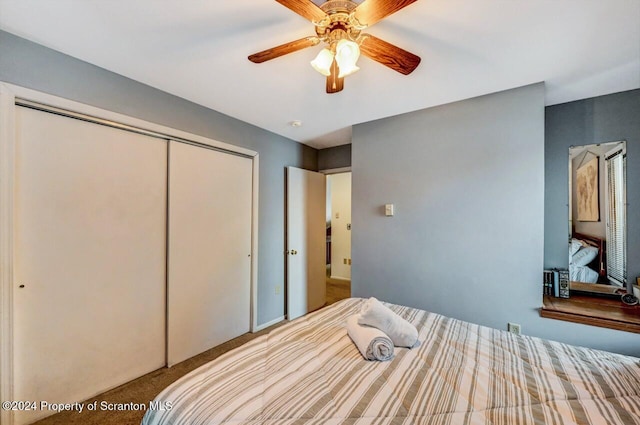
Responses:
[372,343]
[401,332]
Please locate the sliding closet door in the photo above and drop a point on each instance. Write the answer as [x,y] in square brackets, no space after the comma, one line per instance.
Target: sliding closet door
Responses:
[209,249]
[90,258]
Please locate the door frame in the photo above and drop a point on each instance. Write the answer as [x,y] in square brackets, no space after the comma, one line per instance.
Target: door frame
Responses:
[9,94]
[329,173]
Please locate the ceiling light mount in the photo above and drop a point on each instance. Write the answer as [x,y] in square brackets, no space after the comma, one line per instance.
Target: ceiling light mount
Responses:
[339,22]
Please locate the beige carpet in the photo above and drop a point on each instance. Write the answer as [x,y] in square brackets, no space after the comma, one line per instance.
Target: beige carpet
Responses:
[145,388]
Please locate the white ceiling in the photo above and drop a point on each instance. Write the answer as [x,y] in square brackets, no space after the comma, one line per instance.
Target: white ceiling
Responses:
[197,49]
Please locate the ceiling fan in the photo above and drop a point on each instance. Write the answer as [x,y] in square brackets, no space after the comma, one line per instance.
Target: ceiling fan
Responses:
[339,24]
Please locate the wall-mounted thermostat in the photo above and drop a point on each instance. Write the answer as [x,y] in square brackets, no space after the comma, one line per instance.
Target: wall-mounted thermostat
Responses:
[388,210]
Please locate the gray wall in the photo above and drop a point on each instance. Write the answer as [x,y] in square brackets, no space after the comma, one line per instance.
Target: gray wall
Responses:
[335,157]
[467,181]
[600,119]
[31,65]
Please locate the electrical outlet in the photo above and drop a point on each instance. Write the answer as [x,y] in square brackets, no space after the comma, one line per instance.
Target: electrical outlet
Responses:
[514,328]
[344,261]
[277,289]
[349,261]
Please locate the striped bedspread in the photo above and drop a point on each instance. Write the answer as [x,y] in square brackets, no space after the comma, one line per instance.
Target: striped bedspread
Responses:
[310,372]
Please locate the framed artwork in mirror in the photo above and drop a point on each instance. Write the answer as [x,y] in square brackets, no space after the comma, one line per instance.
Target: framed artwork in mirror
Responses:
[587,191]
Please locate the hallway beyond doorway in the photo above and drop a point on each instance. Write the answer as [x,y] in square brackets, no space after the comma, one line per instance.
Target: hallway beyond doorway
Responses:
[337,289]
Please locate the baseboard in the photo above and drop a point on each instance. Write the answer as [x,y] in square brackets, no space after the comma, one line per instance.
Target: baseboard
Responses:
[269,323]
[340,278]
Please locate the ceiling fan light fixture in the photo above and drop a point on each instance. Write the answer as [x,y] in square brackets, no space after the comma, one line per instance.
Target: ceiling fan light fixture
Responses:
[347,54]
[347,70]
[322,62]
[339,25]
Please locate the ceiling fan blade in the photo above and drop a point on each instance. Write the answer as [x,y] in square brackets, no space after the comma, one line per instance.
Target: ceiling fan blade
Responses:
[371,11]
[334,83]
[388,55]
[283,49]
[305,8]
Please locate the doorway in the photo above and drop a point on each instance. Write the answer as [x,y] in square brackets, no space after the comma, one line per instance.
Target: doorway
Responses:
[338,246]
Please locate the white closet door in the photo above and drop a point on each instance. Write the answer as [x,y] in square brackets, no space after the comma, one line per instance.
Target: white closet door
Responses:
[90,252]
[209,249]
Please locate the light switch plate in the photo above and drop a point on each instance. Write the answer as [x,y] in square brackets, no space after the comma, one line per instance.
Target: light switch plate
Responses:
[388,210]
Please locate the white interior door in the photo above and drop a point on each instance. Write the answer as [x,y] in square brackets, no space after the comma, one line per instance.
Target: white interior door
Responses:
[306,241]
[89,296]
[210,195]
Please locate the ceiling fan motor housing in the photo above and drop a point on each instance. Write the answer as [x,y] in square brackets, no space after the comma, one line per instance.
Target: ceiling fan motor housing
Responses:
[339,22]
[332,6]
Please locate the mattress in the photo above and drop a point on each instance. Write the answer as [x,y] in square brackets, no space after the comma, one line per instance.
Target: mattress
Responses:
[308,371]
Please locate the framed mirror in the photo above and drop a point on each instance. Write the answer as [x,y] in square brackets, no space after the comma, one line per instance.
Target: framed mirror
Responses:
[597,219]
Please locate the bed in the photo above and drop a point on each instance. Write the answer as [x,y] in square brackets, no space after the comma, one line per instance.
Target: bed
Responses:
[308,371]
[587,257]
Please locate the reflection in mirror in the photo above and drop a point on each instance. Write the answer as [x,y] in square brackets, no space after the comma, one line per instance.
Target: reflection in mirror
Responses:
[597,217]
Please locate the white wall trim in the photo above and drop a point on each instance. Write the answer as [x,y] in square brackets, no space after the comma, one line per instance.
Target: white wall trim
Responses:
[9,93]
[269,323]
[73,106]
[254,246]
[7,159]
[346,279]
